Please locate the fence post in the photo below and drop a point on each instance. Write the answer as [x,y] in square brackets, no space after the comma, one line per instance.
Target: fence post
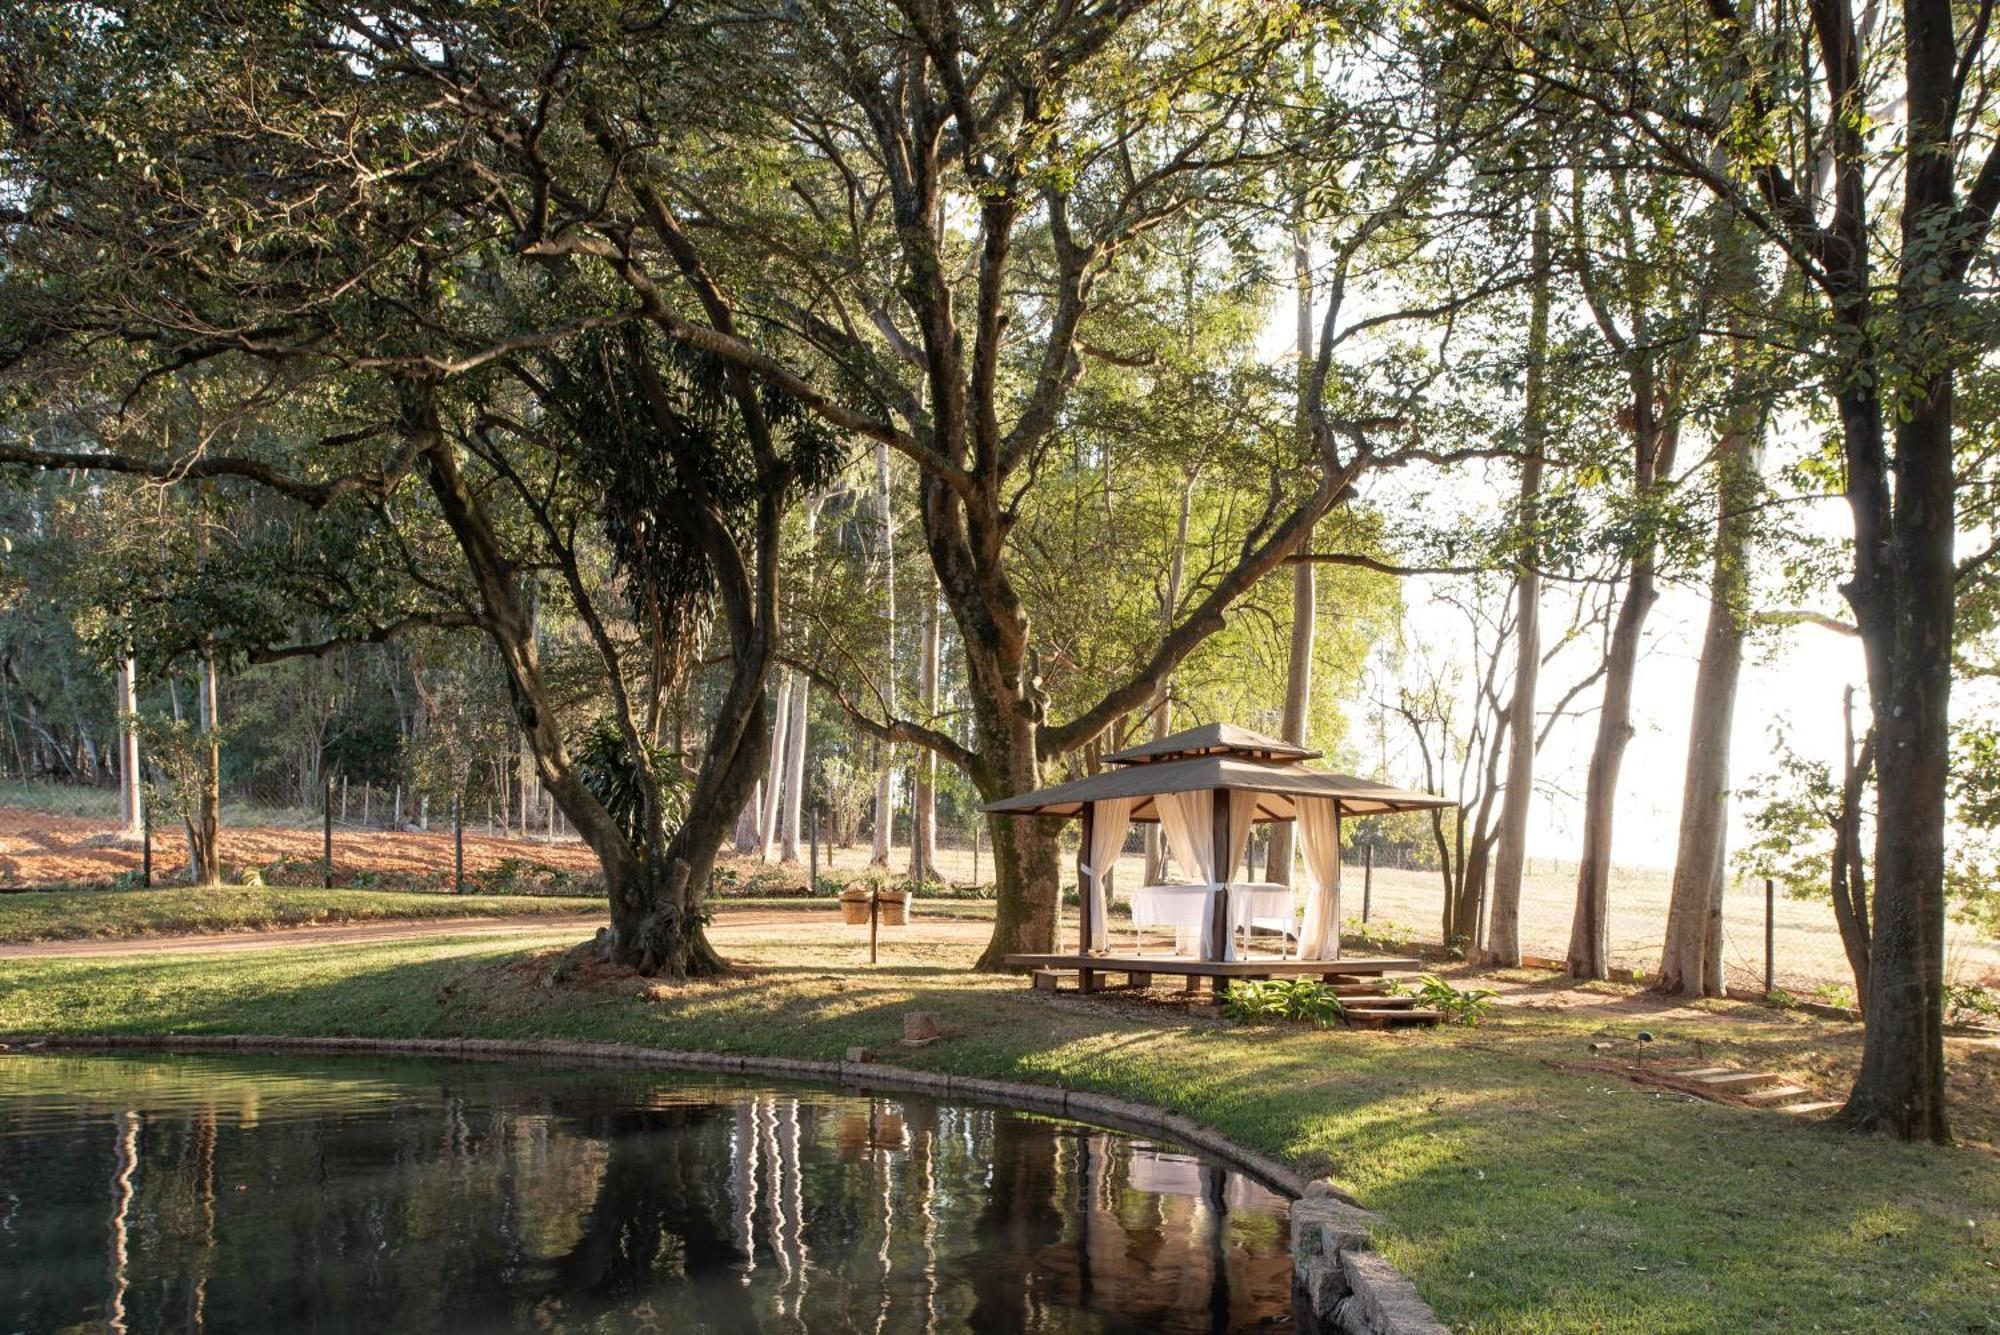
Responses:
[458,845]
[146,844]
[1770,936]
[1367,881]
[326,837]
[812,842]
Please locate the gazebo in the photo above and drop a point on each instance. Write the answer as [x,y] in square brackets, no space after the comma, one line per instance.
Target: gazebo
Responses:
[1206,787]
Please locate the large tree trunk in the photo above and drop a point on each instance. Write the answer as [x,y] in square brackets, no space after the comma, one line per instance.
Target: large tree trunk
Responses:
[655,898]
[1691,956]
[1900,1088]
[131,796]
[1503,930]
[1904,593]
[923,803]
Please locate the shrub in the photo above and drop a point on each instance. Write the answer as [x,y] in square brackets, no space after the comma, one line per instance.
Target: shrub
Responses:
[1466,1006]
[1970,1004]
[1262,1001]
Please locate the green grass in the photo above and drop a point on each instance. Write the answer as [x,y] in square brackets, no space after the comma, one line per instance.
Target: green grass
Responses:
[106,915]
[68,915]
[1518,1194]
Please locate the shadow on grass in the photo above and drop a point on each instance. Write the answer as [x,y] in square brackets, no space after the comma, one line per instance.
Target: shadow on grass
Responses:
[1519,1195]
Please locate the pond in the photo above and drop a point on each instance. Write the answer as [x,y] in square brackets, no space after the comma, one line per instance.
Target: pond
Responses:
[256,1193]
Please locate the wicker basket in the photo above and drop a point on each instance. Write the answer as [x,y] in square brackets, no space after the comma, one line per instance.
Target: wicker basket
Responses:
[854,905]
[895,907]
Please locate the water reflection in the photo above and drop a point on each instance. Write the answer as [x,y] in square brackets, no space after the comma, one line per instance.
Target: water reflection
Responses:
[250,1194]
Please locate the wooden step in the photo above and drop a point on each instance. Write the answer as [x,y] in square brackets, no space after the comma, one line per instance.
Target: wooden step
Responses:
[1703,1070]
[1809,1109]
[1773,1094]
[1381,1017]
[1737,1080]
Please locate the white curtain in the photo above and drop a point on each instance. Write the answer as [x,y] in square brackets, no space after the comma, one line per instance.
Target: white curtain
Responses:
[1319,840]
[1242,806]
[1188,820]
[1108,822]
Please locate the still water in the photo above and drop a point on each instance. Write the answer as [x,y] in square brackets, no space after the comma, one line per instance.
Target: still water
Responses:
[238,1193]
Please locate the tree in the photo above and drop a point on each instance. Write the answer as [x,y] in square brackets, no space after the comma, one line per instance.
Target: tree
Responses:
[469,419]
[1503,932]
[1835,170]
[1691,955]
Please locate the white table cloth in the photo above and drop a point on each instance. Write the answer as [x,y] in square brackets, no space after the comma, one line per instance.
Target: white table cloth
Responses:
[1185,908]
[1266,905]
[1188,909]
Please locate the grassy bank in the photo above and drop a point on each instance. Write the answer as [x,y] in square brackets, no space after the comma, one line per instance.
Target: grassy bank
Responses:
[1521,1191]
[75,915]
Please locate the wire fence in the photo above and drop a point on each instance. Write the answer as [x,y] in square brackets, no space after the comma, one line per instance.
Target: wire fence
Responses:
[341,832]
[506,837]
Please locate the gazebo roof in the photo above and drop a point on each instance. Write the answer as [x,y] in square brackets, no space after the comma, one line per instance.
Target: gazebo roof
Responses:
[1211,739]
[1276,782]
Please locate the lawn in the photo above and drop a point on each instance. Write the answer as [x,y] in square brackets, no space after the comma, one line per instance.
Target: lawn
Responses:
[107,915]
[1520,1192]
[68,915]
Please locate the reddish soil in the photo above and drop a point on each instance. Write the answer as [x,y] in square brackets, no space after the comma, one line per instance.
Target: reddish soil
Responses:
[41,850]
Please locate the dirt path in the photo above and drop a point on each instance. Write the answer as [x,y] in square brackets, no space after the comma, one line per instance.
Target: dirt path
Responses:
[391,929]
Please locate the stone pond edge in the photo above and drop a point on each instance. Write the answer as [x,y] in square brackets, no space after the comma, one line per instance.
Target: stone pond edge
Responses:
[1340,1282]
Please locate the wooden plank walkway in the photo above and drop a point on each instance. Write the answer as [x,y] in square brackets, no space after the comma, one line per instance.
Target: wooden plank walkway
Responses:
[1239,968]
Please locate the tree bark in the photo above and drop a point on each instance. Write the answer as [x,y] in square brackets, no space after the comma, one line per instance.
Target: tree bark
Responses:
[1691,955]
[1503,930]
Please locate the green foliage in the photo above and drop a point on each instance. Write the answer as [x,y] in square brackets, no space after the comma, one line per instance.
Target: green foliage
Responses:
[1267,1000]
[1380,934]
[1971,1004]
[605,763]
[1464,1006]
[176,752]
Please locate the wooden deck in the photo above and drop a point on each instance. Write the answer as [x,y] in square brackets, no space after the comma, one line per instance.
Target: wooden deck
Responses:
[1354,967]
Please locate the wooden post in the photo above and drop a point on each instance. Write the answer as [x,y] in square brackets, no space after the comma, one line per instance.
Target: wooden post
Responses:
[976,827]
[812,843]
[1219,859]
[326,839]
[1770,936]
[874,922]
[458,845]
[1367,881]
[146,845]
[1084,919]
